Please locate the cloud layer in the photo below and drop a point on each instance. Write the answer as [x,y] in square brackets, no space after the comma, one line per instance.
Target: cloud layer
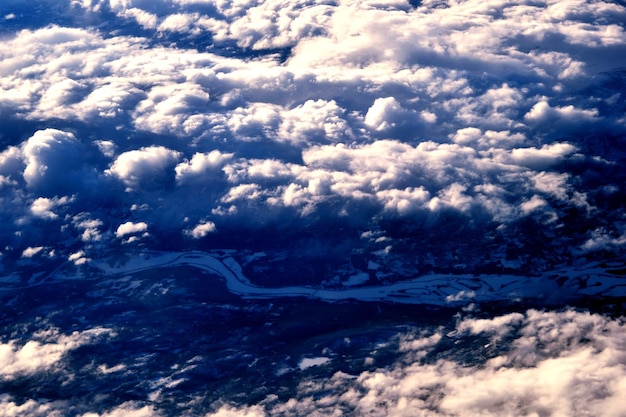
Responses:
[564,363]
[329,143]
[423,126]
[515,364]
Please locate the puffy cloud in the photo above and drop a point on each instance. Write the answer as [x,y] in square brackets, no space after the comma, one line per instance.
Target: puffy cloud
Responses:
[78,258]
[11,163]
[315,122]
[454,196]
[31,407]
[89,227]
[532,363]
[107,147]
[30,251]
[495,109]
[58,98]
[378,114]
[5,180]
[542,158]
[501,325]
[44,351]
[384,113]
[130,409]
[565,117]
[130,228]
[552,183]
[403,201]
[42,207]
[534,203]
[481,132]
[145,19]
[461,295]
[52,158]
[9,407]
[153,164]
[202,165]
[603,240]
[178,22]
[473,136]
[242,191]
[201,230]
[228,411]
[109,100]
[274,24]
[467,135]
[171,108]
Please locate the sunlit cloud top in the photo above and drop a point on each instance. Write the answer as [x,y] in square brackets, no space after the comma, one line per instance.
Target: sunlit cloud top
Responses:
[423,125]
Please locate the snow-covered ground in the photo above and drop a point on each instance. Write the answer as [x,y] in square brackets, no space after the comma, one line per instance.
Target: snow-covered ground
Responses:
[436,289]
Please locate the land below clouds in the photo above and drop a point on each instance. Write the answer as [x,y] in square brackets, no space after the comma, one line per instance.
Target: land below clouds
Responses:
[188,332]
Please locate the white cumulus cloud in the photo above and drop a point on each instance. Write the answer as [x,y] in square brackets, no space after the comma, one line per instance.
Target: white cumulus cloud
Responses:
[149,164]
[130,228]
[201,230]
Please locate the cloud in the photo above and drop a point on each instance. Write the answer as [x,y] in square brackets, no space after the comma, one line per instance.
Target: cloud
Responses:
[130,228]
[90,228]
[501,325]
[601,239]
[107,147]
[542,158]
[31,407]
[42,207]
[108,101]
[11,162]
[44,351]
[403,201]
[201,230]
[202,166]
[78,258]
[384,113]
[129,409]
[461,295]
[52,158]
[228,411]
[30,251]
[145,19]
[373,114]
[537,363]
[171,108]
[145,166]
[534,203]
[552,183]
[564,118]
[178,23]
[474,136]
[10,407]
[316,121]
